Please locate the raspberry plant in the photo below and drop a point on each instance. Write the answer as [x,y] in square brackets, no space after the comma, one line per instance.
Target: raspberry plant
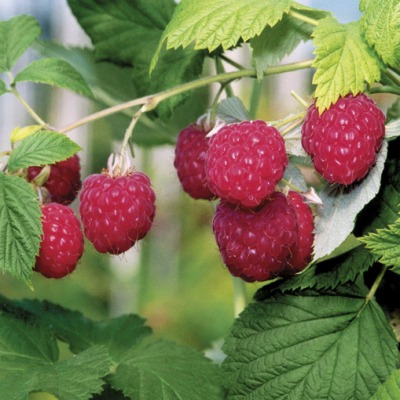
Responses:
[317,327]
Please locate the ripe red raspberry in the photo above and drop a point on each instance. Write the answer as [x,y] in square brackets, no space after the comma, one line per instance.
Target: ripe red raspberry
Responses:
[344,139]
[64,181]
[302,250]
[190,150]
[245,161]
[116,211]
[256,244]
[62,241]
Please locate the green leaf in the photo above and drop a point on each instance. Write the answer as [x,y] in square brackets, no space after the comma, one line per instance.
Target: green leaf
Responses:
[390,389]
[55,72]
[385,243]
[310,346]
[210,23]
[3,88]
[344,61]
[127,33]
[16,35]
[336,219]
[232,110]
[117,334]
[44,147]
[28,363]
[278,41]
[381,26]
[327,274]
[167,371]
[21,228]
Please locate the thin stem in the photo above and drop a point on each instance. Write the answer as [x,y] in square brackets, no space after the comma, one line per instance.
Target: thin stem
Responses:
[151,101]
[303,18]
[374,288]
[291,186]
[213,109]
[286,121]
[255,99]
[393,76]
[386,89]
[299,99]
[27,107]
[291,127]
[220,69]
[129,131]
[231,62]
[239,296]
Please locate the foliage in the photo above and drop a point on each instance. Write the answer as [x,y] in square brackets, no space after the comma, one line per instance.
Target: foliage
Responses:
[320,334]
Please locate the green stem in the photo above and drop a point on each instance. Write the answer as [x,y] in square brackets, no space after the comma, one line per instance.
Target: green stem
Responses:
[303,18]
[27,107]
[239,296]
[128,133]
[231,62]
[299,99]
[213,109]
[291,186]
[221,70]
[255,99]
[386,89]
[150,102]
[393,76]
[374,288]
[287,120]
[295,124]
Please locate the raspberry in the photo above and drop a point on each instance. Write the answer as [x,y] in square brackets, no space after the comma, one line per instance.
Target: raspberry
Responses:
[302,250]
[343,140]
[256,244]
[189,161]
[64,181]
[245,161]
[62,241]
[116,211]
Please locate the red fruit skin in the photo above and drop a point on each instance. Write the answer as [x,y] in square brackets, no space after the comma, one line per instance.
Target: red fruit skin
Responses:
[190,150]
[343,141]
[256,244]
[62,241]
[116,212]
[64,181]
[245,161]
[301,252]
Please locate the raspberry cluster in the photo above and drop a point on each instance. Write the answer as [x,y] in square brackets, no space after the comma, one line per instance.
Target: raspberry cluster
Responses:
[116,211]
[261,233]
[343,141]
[275,239]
